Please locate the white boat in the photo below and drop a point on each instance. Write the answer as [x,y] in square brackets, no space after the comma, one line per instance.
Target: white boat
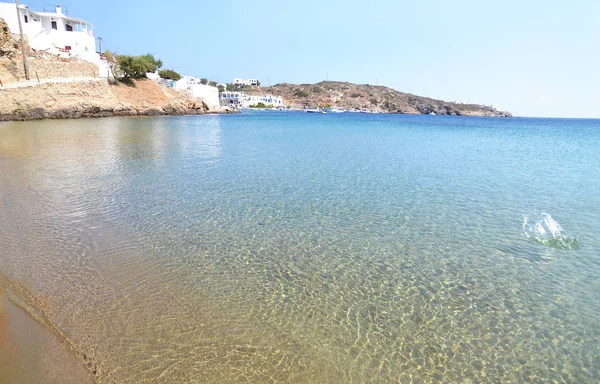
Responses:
[315,110]
[336,110]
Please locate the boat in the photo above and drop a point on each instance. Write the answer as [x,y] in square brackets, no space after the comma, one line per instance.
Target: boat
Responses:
[336,110]
[315,110]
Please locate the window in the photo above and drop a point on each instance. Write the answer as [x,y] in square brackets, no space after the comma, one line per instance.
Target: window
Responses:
[54,25]
[69,28]
[26,18]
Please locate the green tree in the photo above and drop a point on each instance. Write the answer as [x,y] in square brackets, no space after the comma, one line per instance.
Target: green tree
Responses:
[136,67]
[212,83]
[204,81]
[221,88]
[169,74]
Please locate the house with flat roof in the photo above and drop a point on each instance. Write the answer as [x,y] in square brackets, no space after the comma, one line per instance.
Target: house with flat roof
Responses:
[194,87]
[241,100]
[242,82]
[55,32]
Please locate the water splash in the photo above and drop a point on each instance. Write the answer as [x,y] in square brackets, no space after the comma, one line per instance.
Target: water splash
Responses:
[545,230]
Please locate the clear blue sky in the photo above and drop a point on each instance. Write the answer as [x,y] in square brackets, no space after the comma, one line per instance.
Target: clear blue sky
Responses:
[530,57]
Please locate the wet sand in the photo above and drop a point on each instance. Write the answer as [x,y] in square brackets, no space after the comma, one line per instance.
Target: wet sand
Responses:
[31,354]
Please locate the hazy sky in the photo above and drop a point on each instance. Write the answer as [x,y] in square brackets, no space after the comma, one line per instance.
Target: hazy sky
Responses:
[530,57]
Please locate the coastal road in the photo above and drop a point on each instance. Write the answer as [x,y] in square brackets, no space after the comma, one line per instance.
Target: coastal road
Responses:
[33,83]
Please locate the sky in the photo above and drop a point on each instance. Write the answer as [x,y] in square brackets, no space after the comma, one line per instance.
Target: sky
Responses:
[530,57]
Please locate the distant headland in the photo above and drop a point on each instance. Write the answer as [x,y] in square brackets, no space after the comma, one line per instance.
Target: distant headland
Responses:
[375,98]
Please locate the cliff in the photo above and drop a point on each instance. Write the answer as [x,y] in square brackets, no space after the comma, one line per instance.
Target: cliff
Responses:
[96,98]
[371,97]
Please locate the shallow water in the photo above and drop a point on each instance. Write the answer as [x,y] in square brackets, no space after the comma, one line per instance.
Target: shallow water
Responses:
[283,247]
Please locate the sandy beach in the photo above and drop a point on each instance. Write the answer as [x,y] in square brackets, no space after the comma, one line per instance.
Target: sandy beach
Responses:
[31,354]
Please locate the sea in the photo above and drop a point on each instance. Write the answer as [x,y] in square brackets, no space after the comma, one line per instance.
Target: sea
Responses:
[286,247]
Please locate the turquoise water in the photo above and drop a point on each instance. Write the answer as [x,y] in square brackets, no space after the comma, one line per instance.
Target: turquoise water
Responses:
[289,247]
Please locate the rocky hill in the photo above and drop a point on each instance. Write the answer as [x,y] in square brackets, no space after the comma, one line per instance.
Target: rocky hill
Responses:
[371,97]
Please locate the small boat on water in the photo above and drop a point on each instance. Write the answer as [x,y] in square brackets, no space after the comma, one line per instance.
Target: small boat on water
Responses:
[315,110]
[336,110]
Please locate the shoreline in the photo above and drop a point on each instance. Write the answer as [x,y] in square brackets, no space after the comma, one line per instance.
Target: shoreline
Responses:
[97,98]
[31,352]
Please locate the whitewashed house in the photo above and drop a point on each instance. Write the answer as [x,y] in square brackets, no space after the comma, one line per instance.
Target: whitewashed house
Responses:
[242,82]
[55,32]
[267,100]
[246,101]
[192,85]
[228,98]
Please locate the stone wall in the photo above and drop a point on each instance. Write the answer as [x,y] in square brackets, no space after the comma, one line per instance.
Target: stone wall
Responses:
[48,66]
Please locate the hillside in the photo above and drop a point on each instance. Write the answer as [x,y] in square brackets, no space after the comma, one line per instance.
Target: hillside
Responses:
[70,88]
[371,97]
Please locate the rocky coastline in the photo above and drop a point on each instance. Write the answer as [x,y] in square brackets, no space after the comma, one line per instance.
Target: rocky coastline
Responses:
[97,98]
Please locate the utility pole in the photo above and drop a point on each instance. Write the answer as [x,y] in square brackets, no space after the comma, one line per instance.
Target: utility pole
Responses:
[100,44]
[25,66]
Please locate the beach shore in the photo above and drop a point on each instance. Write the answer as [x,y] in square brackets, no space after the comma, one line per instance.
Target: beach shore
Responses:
[29,353]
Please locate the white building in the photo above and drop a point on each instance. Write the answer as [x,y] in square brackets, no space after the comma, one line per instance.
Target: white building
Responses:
[245,101]
[192,85]
[55,32]
[228,98]
[242,82]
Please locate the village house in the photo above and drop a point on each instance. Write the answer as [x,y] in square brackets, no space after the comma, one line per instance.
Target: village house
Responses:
[55,32]
[192,86]
[241,82]
[239,99]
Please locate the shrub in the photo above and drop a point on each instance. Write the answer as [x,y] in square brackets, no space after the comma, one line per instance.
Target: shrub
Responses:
[203,81]
[317,90]
[355,95]
[169,74]
[300,93]
[259,105]
[374,101]
[212,83]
